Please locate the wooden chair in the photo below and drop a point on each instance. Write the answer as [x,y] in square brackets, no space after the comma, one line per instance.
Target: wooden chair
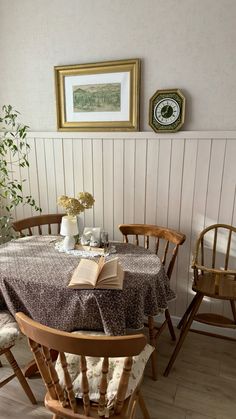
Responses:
[214,277]
[24,226]
[9,333]
[60,399]
[166,242]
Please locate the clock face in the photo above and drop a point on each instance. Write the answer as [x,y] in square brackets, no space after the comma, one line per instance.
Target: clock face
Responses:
[166,111]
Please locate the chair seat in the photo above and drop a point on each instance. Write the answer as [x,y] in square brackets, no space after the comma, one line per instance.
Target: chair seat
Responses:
[216,286]
[9,331]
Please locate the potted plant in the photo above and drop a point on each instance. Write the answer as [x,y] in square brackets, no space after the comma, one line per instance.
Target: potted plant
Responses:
[14,151]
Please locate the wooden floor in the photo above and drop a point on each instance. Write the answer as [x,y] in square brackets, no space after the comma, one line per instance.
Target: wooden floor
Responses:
[202,384]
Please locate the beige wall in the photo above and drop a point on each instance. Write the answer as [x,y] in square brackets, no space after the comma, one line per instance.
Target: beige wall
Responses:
[189,44]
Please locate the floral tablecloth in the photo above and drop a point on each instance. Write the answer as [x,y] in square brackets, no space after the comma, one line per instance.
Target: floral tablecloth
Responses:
[34,278]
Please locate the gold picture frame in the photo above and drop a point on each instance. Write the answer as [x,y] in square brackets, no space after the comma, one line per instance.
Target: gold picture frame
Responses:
[99,96]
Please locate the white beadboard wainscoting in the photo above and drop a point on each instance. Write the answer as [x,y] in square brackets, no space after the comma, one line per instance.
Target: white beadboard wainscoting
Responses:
[185,181]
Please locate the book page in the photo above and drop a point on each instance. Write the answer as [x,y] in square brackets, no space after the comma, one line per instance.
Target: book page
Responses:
[86,273]
[109,269]
[115,282]
[101,264]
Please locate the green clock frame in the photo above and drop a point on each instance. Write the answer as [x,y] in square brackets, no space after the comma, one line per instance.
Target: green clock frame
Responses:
[174,95]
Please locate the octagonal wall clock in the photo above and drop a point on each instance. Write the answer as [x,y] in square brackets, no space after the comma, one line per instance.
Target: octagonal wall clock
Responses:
[167,110]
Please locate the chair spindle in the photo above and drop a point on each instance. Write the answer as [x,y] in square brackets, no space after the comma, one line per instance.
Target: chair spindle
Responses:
[85,385]
[123,385]
[103,385]
[68,383]
[42,366]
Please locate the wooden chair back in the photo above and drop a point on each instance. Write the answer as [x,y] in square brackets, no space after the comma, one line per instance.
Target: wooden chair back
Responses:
[62,401]
[215,248]
[167,236]
[214,262]
[24,226]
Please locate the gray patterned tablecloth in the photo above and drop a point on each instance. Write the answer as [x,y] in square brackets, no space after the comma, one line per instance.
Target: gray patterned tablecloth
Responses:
[34,278]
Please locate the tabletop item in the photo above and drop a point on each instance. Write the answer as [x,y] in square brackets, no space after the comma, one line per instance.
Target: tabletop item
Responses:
[97,274]
[91,236]
[105,240]
[167,110]
[34,278]
[79,250]
[69,229]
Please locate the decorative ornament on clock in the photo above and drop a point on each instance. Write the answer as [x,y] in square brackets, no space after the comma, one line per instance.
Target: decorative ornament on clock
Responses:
[167,110]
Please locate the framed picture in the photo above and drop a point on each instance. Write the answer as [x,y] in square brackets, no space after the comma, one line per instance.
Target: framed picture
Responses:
[98,97]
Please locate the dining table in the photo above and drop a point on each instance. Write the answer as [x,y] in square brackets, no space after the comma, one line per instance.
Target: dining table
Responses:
[34,277]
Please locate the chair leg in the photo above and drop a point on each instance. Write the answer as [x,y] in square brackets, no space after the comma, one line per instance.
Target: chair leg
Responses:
[170,325]
[20,376]
[233,309]
[152,340]
[189,309]
[143,407]
[183,333]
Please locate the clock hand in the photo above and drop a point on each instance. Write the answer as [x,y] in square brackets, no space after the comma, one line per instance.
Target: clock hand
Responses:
[165,113]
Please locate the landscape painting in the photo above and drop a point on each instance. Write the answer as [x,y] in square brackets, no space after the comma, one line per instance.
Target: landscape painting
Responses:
[102,97]
[98,96]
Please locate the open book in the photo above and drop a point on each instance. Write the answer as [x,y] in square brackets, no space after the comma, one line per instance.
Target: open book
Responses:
[90,274]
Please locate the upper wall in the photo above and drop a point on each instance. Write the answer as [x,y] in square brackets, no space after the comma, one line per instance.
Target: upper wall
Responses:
[186,44]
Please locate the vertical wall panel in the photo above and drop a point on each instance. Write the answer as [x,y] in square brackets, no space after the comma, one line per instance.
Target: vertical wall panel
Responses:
[163,182]
[108,181]
[140,181]
[129,161]
[78,166]
[217,162]
[50,176]
[33,172]
[98,183]
[15,174]
[118,187]
[175,193]
[175,183]
[42,174]
[24,174]
[88,178]
[59,168]
[199,199]
[184,272]
[185,184]
[151,180]
[68,158]
[216,170]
